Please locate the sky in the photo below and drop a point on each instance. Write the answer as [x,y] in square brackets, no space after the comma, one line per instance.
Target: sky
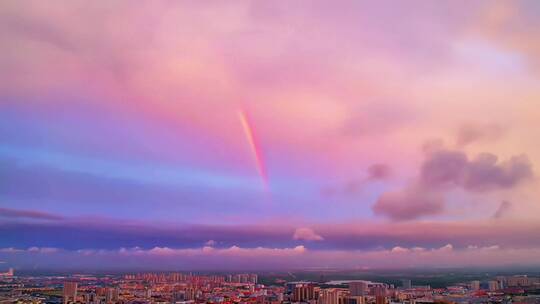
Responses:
[269,134]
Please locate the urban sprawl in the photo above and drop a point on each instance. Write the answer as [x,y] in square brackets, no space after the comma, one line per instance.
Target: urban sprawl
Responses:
[188,288]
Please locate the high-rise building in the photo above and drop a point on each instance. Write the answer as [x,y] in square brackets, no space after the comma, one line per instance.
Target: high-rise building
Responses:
[358,288]
[70,292]
[380,300]
[148,293]
[9,273]
[379,290]
[303,292]
[475,285]
[329,296]
[112,295]
[518,281]
[493,285]
[91,298]
[109,295]
[191,294]
[406,284]
[355,300]
[502,281]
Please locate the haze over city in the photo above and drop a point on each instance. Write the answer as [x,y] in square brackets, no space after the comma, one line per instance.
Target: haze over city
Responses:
[260,135]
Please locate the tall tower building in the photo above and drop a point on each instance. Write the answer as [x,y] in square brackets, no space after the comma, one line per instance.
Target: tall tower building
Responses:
[70,292]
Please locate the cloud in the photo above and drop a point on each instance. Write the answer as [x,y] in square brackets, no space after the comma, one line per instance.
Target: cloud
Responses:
[210,251]
[236,257]
[33,249]
[43,249]
[445,167]
[102,234]
[306,234]
[484,173]
[375,172]
[31,214]
[502,210]
[447,247]
[399,249]
[409,204]
[89,191]
[10,250]
[379,171]
[469,133]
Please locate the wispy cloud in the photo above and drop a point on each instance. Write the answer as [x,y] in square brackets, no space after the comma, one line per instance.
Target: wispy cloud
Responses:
[30,214]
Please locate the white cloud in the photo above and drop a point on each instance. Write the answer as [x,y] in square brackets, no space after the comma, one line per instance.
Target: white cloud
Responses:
[32,249]
[447,247]
[399,249]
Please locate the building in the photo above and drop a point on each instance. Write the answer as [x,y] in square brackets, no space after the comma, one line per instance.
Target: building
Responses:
[502,281]
[8,274]
[243,278]
[406,284]
[358,288]
[303,292]
[475,285]
[379,290]
[355,300]
[190,294]
[112,295]
[518,281]
[148,292]
[329,296]
[70,292]
[493,285]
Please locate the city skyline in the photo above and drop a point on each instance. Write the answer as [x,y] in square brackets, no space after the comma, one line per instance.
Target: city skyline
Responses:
[269,135]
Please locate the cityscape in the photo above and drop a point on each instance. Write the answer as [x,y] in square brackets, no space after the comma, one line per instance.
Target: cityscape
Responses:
[188,288]
[269,152]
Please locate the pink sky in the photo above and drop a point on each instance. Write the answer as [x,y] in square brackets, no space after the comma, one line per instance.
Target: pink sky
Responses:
[373,128]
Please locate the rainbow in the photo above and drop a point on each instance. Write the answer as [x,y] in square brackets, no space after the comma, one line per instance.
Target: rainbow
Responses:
[254,145]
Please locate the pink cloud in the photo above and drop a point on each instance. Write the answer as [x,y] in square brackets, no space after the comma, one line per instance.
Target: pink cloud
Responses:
[306,234]
[503,209]
[446,169]
[409,204]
